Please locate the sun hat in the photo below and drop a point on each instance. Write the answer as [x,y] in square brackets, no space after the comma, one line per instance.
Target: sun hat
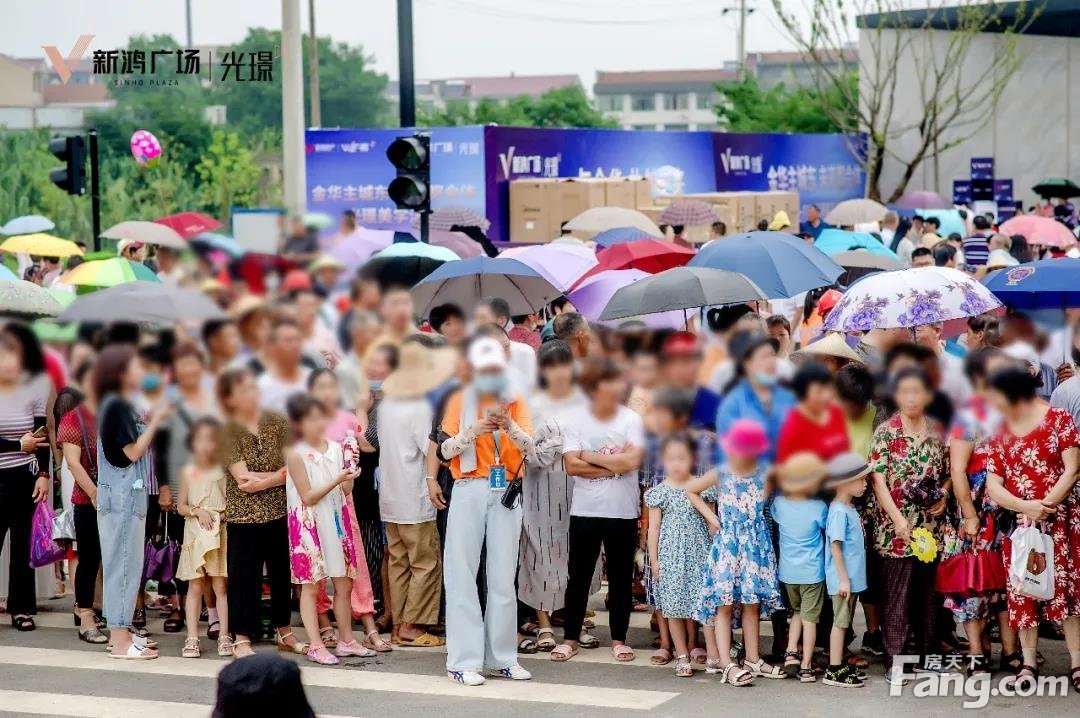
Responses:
[802,471]
[831,344]
[680,344]
[745,437]
[780,221]
[245,305]
[419,370]
[125,244]
[486,353]
[845,467]
[325,261]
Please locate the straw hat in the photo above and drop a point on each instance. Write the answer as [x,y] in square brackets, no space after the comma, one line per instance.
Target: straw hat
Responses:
[325,261]
[846,467]
[419,370]
[780,221]
[246,305]
[801,471]
[831,344]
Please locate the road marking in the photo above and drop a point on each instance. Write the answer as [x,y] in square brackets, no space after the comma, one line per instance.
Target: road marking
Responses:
[374,680]
[76,704]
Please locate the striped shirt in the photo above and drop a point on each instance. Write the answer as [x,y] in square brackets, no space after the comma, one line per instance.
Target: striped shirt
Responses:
[17,411]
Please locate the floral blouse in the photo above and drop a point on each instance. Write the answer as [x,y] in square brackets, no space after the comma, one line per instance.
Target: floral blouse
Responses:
[913,466]
[263,453]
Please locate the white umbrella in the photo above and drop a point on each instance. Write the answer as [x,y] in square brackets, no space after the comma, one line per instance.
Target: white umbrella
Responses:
[909,298]
[856,211]
[599,219]
[147,233]
[562,264]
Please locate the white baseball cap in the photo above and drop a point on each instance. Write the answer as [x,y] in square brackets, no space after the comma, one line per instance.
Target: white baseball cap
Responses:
[1023,351]
[486,353]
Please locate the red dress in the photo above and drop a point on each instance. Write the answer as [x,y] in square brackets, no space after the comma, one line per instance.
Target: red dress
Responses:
[1030,466]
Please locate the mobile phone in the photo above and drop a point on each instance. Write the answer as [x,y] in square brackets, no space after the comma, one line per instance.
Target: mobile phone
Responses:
[40,432]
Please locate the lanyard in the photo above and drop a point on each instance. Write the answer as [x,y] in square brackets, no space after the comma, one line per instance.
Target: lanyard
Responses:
[498,455]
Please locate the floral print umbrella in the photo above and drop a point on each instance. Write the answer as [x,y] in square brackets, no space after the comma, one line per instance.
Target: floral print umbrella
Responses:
[909,298]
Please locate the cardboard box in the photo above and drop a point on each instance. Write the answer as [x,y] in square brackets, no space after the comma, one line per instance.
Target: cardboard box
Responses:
[643,192]
[767,204]
[530,211]
[572,197]
[621,193]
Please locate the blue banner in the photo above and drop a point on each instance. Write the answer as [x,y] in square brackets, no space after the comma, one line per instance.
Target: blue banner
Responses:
[821,168]
[982,168]
[348,169]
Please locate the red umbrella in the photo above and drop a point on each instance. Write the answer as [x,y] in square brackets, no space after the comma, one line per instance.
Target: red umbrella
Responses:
[189,224]
[648,255]
[1039,230]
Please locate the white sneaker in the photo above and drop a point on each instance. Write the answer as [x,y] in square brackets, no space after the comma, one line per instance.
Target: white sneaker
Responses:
[895,676]
[514,673]
[466,678]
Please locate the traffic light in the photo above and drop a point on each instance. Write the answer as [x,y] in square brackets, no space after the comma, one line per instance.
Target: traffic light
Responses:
[411,157]
[72,151]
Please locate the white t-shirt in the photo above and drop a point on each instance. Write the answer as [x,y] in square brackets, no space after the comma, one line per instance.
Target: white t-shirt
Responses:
[404,425]
[614,497]
[273,392]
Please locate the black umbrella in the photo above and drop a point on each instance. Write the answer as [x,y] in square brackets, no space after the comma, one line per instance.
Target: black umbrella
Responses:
[405,263]
[681,288]
[1057,187]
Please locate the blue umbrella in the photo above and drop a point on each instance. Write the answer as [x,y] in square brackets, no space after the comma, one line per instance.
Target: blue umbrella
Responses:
[221,242]
[835,241]
[1046,284]
[621,235]
[781,264]
[6,274]
[951,221]
[465,282]
[27,224]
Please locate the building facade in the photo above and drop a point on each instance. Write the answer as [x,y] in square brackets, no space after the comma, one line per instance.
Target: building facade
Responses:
[433,95]
[661,100]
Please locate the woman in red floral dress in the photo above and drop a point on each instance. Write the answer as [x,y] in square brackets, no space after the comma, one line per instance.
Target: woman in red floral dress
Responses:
[1032,470]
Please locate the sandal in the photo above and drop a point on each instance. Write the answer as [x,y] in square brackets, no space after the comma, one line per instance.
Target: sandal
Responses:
[735,675]
[792,661]
[191,648]
[224,646]
[378,643]
[527,646]
[326,658]
[425,640]
[174,624]
[299,647]
[545,640]
[660,657]
[138,618]
[529,628]
[765,670]
[563,653]
[1074,678]
[135,652]
[329,637]
[807,675]
[213,631]
[588,640]
[699,656]
[237,644]
[622,653]
[1011,662]
[683,667]
[23,623]
[1030,672]
[93,635]
[354,648]
[712,666]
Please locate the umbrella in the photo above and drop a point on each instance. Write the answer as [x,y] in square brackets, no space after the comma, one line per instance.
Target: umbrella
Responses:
[108,273]
[858,263]
[951,221]
[1046,284]
[41,245]
[1037,230]
[834,241]
[466,281]
[357,248]
[446,218]
[856,211]
[917,199]
[619,235]
[28,224]
[561,264]
[593,294]
[144,303]
[189,224]
[599,219]
[147,233]
[406,263]
[648,255]
[1057,187]
[689,213]
[681,288]
[909,298]
[781,264]
[459,243]
[20,298]
[6,274]
[318,220]
[209,241]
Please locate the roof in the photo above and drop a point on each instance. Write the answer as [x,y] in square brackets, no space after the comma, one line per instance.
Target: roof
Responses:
[75,94]
[514,85]
[660,80]
[848,54]
[1055,18]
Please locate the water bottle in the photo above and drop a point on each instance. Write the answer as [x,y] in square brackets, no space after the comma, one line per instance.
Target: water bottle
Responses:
[350,449]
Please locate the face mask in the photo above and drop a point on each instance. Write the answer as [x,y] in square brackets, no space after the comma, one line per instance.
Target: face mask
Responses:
[490,383]
[150,382]
[375,384]
[763,379]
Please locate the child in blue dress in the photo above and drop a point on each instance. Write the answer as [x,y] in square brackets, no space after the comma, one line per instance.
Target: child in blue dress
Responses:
[678,541]
[740,572]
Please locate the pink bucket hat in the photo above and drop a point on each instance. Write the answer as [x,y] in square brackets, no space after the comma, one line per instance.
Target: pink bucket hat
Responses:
[745,438]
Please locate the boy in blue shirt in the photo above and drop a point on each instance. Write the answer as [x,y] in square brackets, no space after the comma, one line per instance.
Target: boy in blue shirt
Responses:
[801,520]
[845,561]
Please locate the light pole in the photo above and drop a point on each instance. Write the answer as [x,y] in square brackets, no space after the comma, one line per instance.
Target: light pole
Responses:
[292,109]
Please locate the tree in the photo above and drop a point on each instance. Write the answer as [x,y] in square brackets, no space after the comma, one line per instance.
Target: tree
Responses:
[229,175]
[914,98]
[560,107]
[747,107]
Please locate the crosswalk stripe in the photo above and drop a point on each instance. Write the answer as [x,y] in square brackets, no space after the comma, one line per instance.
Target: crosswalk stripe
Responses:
[320,677]
[75,704]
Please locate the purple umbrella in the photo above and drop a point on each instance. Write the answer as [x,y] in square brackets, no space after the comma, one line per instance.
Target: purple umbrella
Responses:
[459,243]
[358,247]
[921,199]
[592,295]
[560,263]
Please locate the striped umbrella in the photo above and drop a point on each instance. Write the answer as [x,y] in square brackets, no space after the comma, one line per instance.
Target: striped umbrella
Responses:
[689,213]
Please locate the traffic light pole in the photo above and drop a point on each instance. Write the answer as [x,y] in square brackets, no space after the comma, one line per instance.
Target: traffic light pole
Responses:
[95,190]
[406,79]
[425,220]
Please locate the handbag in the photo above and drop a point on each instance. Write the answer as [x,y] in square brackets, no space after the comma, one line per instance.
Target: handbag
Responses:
[43,550]
[1031,564]
[972,573]
[161,554]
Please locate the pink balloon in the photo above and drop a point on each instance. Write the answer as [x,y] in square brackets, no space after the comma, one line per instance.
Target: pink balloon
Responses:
[145,148]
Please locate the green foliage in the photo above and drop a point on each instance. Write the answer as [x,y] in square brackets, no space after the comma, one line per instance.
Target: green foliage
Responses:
[229,175]
[750,108]
[561,107]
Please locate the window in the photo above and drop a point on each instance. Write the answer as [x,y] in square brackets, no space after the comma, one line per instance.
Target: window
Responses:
[705,101]
[675,100]
[643,102]
[609,103]
[676,128]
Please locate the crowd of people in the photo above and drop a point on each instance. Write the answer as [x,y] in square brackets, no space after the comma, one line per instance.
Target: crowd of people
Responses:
[475,480]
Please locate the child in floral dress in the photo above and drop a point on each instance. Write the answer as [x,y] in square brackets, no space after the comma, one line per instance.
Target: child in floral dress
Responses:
[320,525]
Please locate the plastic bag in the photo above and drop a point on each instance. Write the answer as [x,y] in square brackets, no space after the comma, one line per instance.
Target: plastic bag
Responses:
[43,550]
[1031,565]
[63,527]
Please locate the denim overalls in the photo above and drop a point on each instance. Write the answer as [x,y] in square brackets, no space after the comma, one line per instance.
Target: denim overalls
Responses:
[122,529]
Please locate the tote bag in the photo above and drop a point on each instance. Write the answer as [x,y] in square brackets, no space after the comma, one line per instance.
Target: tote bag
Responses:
[1031,565]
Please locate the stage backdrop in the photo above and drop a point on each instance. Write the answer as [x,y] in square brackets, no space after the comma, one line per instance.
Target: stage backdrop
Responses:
[472,166]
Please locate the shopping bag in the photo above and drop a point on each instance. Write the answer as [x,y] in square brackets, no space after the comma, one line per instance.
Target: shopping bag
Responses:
[953,576]
[43,550]
[162,554]
[63,526]
[1031,565]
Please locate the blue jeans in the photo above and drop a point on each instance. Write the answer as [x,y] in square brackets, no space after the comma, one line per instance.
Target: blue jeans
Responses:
[121,528]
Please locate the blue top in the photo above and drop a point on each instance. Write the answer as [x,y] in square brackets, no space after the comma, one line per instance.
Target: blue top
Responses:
[703,415]
[802,541]
[742,403]
[845,526]
[807,228]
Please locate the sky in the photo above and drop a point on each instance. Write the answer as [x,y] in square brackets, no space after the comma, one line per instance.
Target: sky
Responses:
[452,38]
